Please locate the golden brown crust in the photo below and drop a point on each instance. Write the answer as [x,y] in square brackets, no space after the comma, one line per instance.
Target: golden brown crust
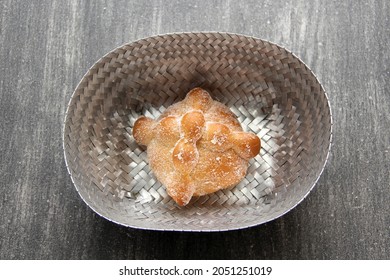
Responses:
[199,99]
[143,130]
[192,124]
[196,147]
[167,130]
[247,145]
[185,156]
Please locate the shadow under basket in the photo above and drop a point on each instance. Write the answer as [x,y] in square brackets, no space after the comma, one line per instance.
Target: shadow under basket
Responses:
[272,92]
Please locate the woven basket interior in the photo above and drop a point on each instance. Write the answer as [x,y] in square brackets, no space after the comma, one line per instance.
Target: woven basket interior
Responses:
[271,91]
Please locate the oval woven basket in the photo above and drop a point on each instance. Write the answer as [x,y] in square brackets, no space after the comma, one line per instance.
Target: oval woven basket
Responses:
[273,93]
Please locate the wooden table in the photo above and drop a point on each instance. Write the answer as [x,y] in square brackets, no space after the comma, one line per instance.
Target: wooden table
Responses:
[47,46]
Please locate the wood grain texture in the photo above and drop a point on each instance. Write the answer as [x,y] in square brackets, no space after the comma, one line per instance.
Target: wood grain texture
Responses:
[47,46]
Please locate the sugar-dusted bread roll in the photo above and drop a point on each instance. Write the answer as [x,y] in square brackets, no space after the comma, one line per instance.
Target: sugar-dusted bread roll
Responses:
[196,146]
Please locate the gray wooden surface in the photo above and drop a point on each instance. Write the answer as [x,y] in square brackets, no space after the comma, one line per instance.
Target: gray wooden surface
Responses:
[46,47]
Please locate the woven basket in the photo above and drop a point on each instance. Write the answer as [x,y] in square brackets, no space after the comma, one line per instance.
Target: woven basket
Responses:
[272,92]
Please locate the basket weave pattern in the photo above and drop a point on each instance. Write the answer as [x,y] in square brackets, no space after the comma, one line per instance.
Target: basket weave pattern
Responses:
[271,91]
